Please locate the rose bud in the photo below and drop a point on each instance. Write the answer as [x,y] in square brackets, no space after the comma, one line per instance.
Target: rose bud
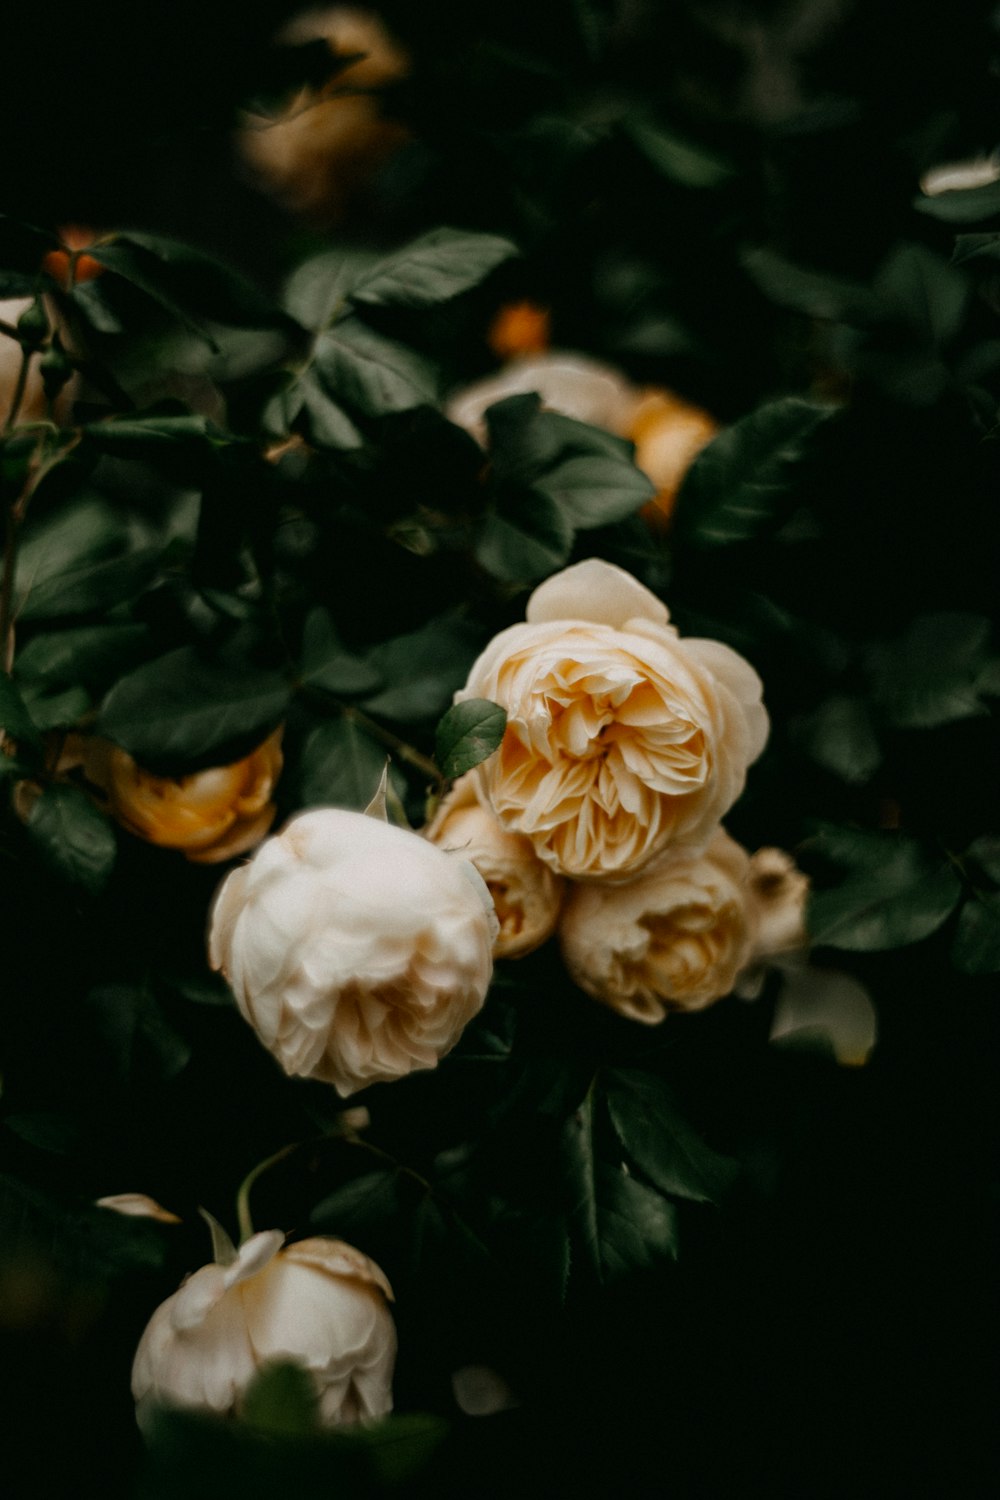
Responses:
[519,328]
[358,951]
[668,434]
[675,938]
[329,141]
[778,891]
[526,894]
[621,739]
[318,1303]
[210,815]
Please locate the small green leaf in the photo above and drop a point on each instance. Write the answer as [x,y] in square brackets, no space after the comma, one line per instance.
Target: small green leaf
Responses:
[85,556]
[327,424]
[282,1399]
[661,1141]
[58,710]
[89,654]
[817,294]
[137,436]
[15,720]
[73,838]
[840,737]
[432,269]
[467,735]
[931,674]
[976,948]
[140,1042]
[370,372]
[183,710]
[741,484]
[894,892]
[320,287]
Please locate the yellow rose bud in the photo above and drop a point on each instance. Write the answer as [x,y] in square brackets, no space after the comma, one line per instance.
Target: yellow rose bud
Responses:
[210,815]
[526,894]
[668,434]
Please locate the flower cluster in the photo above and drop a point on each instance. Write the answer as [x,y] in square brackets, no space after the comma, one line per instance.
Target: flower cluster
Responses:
[600,814]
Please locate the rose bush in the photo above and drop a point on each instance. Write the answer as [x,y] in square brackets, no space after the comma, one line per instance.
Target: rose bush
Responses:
[210,815]
[317,1303]
[621,737]
[358,951]
[526,893]
[682,933]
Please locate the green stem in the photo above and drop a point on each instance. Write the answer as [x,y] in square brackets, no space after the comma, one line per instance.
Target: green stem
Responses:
[412,756]
[19,389]
[243,1196]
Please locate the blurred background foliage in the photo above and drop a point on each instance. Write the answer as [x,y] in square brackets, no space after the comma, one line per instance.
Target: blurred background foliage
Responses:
[718,198]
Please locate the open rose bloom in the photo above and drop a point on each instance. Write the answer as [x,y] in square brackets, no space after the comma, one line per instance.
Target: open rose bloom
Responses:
[622,739]
[357,951]
[685,931]
[318,1303]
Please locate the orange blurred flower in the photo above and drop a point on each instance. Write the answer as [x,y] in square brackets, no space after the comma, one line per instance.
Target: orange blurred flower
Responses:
[210,815]
[668,434]
[519,328]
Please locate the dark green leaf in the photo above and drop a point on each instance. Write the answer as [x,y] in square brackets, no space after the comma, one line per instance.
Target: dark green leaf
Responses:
[620,1224]
[182,710]
[58,710]
[327,664]
[467,735]
[596,490]
[85,556]
[930,674]
[985,852]
[340,766]
[91,654]
[840,737]
[922,289]
[365,370]
[327,424]
[894,892]
[815,293]
[975,247]
[976,949]
[73,838]
[526,538]
[681,160]
[15,720]
[139,1040]
[423,668]
[661,1141]
[432,269]
[282,1399]
[45,1131]
[320,287]
[739,486]
[137,436]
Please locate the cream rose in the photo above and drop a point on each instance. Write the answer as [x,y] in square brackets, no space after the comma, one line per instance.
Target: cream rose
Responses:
[526,894]
[210,815]
[622,739]
[318,1303]
[330,139]
[358,951]
[685,931]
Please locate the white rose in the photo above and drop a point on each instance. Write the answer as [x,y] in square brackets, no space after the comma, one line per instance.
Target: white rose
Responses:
[358,951]
[571,384]
[526,894]
[319,1303]
[621,739]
